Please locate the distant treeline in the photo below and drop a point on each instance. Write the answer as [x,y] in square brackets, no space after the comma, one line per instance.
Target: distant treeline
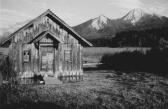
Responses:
[157,37]
[155,60]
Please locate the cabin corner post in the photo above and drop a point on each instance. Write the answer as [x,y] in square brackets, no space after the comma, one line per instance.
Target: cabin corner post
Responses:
[81,61]
[39,59]
[56,62]
[59,56]
[20,58]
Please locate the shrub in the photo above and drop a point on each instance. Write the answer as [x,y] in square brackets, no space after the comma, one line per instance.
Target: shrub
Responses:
[6,68]
[153,60]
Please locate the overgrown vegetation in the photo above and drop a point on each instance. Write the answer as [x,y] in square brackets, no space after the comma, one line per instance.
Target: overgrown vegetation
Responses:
[154,37]
[95,54]
[100,90]
[155,60]
[7,68]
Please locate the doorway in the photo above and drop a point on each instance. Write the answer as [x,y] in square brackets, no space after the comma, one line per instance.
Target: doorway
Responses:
[47,59]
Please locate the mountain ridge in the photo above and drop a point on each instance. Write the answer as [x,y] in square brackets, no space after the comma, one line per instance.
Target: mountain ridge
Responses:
[135,20]
[102,31]
[134,16]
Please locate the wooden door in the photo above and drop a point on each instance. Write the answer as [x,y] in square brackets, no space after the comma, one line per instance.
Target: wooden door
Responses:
[47,60]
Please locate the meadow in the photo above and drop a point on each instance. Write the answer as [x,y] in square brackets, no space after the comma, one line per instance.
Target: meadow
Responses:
[102,89]
[94,54]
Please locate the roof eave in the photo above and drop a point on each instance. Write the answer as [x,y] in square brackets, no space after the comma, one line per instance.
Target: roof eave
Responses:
[57,18]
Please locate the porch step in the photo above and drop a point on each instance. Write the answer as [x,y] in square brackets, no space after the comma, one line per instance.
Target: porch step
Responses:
[52,80]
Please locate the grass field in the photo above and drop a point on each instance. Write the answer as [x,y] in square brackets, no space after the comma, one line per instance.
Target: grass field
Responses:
[103,89]
[94,54]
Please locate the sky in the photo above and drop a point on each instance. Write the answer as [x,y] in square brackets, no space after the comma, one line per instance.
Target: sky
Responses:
[74,12]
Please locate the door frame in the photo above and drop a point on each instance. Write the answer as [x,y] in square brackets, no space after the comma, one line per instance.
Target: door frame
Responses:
[40,56]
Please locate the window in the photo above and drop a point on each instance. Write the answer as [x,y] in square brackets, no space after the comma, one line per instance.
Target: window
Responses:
[26,56]
[67,55]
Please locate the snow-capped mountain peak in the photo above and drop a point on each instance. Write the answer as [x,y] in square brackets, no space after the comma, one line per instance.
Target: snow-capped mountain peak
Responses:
[134,15]
[99,22]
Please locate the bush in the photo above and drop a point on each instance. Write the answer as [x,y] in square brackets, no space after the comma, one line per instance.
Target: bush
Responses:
[6,68]
[154,60]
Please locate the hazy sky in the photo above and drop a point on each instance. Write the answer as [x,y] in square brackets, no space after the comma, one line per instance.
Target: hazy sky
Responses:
[74,12]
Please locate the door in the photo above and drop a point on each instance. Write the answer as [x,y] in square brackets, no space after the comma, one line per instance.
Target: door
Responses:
[47,60]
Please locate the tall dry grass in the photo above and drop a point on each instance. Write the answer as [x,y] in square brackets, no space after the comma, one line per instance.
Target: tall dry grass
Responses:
[100,90]
[7,68]
[94,54]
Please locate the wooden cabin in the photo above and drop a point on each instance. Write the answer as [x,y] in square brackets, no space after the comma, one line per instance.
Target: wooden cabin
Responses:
[46,46]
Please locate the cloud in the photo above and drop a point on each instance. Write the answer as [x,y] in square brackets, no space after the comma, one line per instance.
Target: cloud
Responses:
[41,4]
[156,7]
[13,12]
[67,16]
[11,17]
[152,6]
[126,4]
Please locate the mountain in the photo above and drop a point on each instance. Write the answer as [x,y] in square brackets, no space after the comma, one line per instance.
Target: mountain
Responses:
[100,22]
[92,27]
[143,20]
[101,26]
[134,16]
[103,31]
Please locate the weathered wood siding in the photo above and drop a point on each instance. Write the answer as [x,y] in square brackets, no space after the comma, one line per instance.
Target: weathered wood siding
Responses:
[67,54]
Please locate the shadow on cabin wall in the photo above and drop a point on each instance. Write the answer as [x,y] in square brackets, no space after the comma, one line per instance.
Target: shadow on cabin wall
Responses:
[154,61]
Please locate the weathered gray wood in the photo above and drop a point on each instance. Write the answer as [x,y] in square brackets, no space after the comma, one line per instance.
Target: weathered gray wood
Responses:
[39,58]
[20,58]
[67,54]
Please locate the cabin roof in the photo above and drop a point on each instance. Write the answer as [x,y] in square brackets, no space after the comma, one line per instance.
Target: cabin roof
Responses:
[43,34]
[83,41]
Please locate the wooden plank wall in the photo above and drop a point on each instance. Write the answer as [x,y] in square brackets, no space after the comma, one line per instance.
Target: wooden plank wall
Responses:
[63,65]
[72,66]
